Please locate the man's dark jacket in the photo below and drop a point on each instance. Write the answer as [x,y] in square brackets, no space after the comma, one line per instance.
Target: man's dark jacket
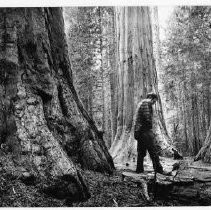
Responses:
[143,118]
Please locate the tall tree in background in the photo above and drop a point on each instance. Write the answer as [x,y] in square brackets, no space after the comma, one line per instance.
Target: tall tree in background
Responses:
[42,120]
[186,57]
[135,74]
[82,35]
[91,28]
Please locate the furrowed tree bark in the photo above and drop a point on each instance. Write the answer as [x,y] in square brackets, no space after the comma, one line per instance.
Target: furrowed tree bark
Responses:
[105,15]
[113,49]
[94,153]
[42,118]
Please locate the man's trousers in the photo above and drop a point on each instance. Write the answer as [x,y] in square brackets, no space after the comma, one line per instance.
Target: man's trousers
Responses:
[146,142]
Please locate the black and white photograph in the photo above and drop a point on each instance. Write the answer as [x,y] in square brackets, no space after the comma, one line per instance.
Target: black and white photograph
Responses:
[105,104]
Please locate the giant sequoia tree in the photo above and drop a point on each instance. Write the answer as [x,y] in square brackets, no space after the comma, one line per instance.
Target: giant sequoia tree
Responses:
[136,74]
[43,125]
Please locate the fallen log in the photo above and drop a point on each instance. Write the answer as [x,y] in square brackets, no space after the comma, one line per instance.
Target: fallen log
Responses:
[200,168]
[184,186]
[160,179]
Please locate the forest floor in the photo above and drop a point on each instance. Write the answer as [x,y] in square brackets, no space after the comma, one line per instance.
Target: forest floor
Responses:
[106,191]
[110,191]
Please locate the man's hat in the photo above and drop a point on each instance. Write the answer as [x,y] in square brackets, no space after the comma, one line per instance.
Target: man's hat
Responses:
[152,95]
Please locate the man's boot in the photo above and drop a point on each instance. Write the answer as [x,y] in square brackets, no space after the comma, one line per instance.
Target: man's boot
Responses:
[159,169]
[156,165]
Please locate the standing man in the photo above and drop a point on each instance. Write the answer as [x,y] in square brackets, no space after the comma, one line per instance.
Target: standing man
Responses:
[144,135]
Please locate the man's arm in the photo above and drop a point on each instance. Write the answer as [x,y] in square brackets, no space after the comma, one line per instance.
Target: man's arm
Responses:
[138,117]
[138,123]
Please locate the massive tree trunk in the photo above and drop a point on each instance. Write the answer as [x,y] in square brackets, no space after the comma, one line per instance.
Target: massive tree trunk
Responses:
[42,117]
[135,74]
